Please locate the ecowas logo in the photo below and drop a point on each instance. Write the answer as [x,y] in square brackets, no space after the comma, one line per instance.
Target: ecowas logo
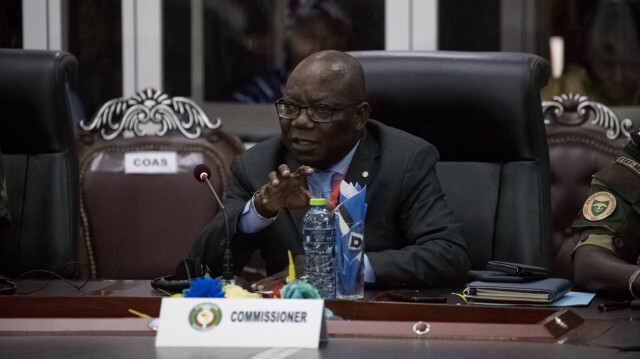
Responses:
[205,316]
[599,206]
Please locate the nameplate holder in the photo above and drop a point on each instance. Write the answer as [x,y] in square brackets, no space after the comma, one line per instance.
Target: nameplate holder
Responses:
[151,162]
[240,323]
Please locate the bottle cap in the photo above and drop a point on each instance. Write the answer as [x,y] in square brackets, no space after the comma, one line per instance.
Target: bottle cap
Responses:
[317,201]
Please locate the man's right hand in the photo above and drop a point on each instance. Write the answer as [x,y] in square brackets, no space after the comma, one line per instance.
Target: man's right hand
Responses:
[285,189]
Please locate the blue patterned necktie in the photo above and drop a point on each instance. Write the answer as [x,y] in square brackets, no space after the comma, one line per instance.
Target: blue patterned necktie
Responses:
[324,180]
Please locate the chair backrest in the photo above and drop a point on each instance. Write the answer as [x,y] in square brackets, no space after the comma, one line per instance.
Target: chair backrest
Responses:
[138,225]
[40,162]
[482,111]
[583,137]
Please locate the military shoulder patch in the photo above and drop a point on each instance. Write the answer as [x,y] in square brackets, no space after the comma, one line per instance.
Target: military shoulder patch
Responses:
[629,163]
[599,206]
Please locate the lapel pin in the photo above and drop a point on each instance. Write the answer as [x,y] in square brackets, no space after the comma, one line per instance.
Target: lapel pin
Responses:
[365,174]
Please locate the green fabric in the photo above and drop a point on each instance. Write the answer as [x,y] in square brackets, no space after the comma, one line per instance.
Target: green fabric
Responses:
[614,222]
[600,240]
[618,231]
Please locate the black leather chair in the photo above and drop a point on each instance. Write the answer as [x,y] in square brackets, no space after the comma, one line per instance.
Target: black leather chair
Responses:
[482,111]
[39,157]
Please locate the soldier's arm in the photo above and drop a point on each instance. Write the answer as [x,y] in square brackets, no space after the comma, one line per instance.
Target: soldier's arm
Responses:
[599,270]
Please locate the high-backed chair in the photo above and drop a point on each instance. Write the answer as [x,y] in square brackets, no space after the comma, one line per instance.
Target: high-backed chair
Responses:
[40,162]
[482,111]
[583,137]
[140,203]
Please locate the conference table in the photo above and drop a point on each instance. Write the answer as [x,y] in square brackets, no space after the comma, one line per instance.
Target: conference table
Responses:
[69,319]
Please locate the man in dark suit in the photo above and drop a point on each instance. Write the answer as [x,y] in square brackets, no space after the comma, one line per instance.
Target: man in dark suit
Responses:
[411,236]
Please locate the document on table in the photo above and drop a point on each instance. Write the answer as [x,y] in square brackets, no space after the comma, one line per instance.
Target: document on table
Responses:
[574,299]
[571,299]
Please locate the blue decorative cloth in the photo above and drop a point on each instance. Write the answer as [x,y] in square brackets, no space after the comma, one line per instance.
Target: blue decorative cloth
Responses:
[299,289]
[204,287]
[350,259]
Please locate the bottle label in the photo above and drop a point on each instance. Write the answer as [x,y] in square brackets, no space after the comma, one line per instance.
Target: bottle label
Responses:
[319,235]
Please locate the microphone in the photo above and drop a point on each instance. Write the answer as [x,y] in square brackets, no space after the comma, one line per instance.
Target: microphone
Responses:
[202,173]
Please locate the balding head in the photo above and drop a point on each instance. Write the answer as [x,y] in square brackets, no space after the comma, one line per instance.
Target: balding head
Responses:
[336,67]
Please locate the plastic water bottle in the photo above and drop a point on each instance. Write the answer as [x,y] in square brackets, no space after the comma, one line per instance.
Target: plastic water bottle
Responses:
[319,240]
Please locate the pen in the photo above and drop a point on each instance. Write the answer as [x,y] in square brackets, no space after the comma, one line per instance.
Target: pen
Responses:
[606,307]
[141,315]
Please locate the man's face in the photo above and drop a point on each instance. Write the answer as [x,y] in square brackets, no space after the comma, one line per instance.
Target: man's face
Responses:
[315,144]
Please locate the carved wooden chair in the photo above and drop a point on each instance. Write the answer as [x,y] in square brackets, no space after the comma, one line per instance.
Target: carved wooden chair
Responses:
[583,137]
[141,207]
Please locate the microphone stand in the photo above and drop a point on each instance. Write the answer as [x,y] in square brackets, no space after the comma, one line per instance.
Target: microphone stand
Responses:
[227,260]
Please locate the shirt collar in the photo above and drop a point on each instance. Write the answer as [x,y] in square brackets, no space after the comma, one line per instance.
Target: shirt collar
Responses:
[343,165]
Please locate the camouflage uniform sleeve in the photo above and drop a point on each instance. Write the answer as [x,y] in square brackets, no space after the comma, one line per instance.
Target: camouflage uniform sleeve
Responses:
[608,220]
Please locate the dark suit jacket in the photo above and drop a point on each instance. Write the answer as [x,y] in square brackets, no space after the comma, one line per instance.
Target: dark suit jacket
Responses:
[411,237]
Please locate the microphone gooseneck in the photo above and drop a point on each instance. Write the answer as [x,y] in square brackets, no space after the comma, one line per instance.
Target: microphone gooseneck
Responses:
[202,173]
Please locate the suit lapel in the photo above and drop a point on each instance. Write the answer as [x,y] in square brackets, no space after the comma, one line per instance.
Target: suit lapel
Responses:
[364,165]
[297,214]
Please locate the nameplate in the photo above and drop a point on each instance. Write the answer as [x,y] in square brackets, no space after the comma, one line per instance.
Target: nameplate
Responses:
[240,323]
[151,162]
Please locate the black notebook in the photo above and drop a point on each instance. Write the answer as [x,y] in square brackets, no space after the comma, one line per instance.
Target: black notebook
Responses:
[539,291]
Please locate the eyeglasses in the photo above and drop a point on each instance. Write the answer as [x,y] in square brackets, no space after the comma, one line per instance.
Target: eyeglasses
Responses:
[317,113]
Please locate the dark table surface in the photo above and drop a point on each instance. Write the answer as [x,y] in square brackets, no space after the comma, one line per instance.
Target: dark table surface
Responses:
[364,330]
